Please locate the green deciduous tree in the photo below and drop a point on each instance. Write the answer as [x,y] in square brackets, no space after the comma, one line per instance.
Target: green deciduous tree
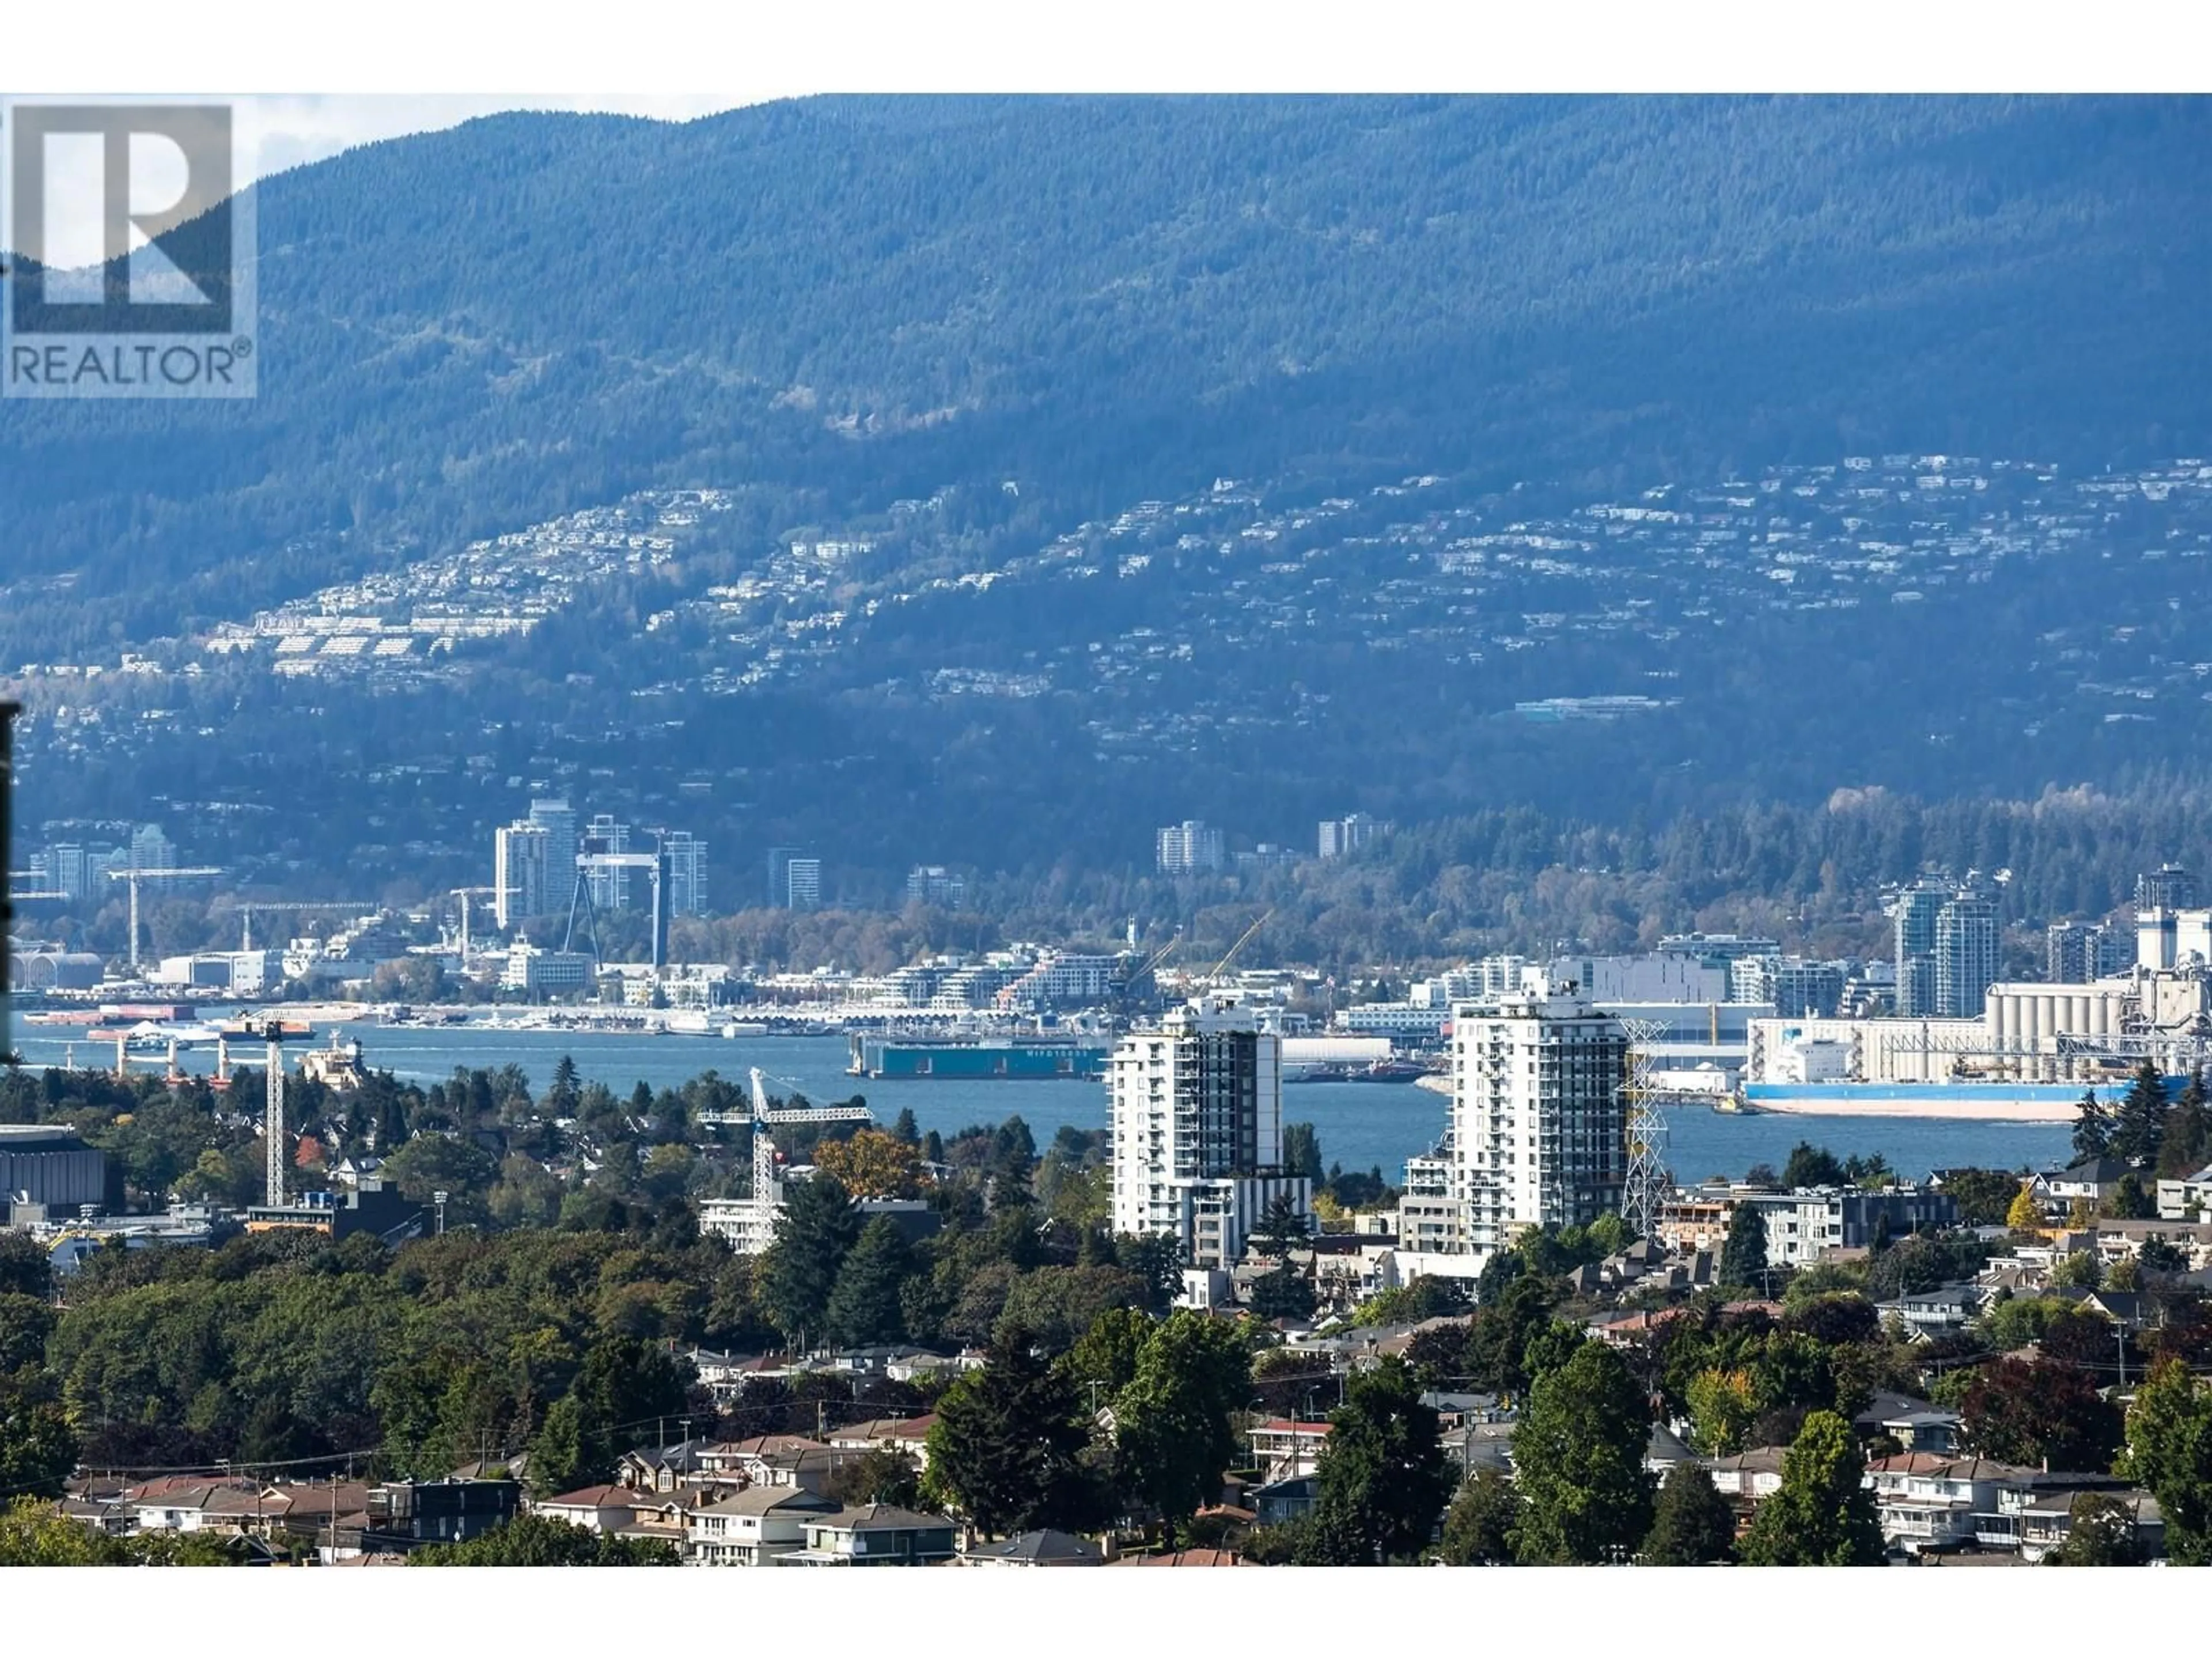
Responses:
[534,1540]
[1822,1515]
[1578,1458]
[1383,1480]
[1479,1525]
[1723,1405]
[2169,1452]
[1692,1524]
[2100,1533]
[1984,1196]
[1175,1423]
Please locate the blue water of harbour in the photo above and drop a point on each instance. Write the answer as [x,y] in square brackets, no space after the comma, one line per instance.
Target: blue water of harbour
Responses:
[1361,1125]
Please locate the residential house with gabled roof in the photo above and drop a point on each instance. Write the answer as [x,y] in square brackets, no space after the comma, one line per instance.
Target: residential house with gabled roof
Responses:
[910,1435]
[1043,1548]
[1190,1558]
[661,1468]
[754,1529]
[1938,1312]
[195,1504]
[747,1461]
[606,1509]
[2092,1181]
[875,1535]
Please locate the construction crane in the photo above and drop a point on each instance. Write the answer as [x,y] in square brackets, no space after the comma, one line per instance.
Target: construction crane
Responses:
[134,875]
[1243,939]
[246,908]
[465,894]
[1126,988]
[275,1146]
[766,1188]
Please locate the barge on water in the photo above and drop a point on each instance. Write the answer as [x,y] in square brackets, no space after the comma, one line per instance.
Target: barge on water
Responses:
[971,1058]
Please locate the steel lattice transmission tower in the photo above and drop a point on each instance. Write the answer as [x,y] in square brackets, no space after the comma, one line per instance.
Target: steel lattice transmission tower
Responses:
[1645,1189]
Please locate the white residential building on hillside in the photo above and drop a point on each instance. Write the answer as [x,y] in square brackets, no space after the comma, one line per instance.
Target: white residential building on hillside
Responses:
[1197,1115]
[1539,1113]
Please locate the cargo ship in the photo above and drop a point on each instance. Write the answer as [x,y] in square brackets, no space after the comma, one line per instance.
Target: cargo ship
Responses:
[1997,1102]
[974,1059]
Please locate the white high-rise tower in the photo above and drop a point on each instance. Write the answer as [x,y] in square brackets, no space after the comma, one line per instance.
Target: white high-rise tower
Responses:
[1198,1131]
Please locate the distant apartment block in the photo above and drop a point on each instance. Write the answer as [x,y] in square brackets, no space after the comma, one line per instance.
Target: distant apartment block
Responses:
[1795,987]
[1340,837]
[935,885]
[522,879]
[1193,845]
[2169,887]
[558,818]
[2077,952]
[687,872]
[802,883]
[1945,935]
[609,886]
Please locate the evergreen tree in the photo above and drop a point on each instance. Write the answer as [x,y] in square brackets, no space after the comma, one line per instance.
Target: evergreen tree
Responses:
[557,1455]
[1743,1258]
[1005,1444]
[1496,1352]
[864,1308]
[1479,1525]
[2187,1146]
[1822,1516]
[904,1127]
[1383,1476]
[1692,1524]
[1578,1460]
[1281,1292]
[567,1086]
[1302,1152]
[813,1235]
[2093,1128]
[2139,1126]
[1813,1166]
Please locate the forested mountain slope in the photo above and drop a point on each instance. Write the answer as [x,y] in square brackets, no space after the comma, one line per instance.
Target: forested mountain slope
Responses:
[850,300]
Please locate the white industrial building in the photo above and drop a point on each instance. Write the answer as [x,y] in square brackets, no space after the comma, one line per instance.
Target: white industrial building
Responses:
[1197,1128]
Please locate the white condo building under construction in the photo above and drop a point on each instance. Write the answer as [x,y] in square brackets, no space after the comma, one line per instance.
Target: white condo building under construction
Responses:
[1198,1131]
